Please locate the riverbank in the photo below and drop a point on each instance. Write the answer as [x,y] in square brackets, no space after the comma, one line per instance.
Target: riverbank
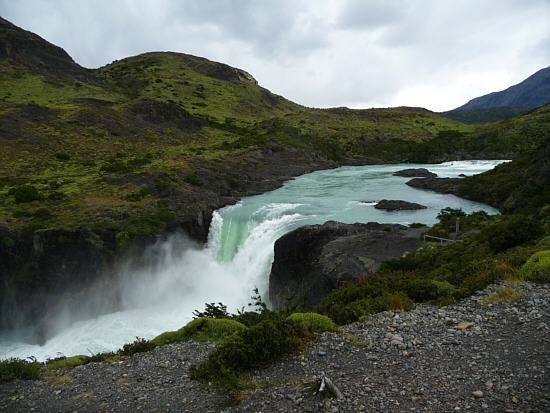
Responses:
[426,359]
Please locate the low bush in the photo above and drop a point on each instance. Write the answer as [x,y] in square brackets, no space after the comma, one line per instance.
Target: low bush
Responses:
[13,369]
[248,349]
[312,322]
[537,267]
[25,193]
[140,345]
[512,231]
[367,296]
[423,289]
[210,329]
[62,156]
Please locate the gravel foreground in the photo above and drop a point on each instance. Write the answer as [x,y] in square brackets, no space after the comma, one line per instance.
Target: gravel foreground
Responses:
[469,357]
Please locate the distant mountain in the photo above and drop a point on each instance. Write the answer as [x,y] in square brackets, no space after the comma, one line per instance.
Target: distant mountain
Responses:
[532,93]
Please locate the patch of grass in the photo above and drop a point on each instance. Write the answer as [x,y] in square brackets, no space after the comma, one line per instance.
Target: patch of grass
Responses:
[201,329]
[59,380]
[312,322]
[537,267]
[503,295]
[66,363]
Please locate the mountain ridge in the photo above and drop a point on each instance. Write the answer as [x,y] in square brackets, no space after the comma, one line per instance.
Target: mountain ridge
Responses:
[518,99]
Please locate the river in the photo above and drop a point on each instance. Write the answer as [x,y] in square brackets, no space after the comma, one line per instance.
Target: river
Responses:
[182,275]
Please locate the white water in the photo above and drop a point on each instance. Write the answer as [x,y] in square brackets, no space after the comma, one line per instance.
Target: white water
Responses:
[182,276]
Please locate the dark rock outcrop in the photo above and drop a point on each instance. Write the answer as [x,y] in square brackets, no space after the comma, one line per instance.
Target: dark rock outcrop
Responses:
[442,185]
[397,205]
[411,172]
[26,49]
[313,260]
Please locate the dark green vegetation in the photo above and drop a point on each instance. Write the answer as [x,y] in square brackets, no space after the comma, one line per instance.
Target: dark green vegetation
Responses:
[500,140]
[12,369]
[537,267]
[269,336]
[489,249]
[472,116]
[519,186]
[532,93]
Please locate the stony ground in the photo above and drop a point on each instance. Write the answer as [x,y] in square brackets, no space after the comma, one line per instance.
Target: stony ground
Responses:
[466,357]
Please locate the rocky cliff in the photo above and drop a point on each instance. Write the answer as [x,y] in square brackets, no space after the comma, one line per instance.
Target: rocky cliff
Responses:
[311,261]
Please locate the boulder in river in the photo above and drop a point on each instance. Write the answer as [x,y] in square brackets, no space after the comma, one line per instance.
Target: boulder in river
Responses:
[410,172]
[312,260]
[398,205]
[442,185]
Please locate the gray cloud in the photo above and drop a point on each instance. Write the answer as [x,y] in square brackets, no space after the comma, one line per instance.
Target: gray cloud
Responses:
[357,53]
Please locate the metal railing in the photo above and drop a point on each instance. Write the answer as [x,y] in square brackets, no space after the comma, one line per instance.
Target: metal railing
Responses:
[441,240]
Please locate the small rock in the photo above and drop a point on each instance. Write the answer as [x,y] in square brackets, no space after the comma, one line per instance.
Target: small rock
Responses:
[464,325]
[478,394]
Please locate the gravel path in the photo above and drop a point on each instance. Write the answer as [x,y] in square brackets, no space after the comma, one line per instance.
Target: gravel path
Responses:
[425,360]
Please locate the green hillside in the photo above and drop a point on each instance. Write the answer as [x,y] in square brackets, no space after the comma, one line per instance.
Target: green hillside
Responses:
[159,135]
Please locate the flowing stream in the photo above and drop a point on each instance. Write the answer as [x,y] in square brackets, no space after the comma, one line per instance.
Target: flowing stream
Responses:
[182,275]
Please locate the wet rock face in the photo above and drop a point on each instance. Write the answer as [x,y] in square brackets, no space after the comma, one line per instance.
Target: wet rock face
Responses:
[35,271]
[410,172]
[442,185]
[312,260]
[398,205]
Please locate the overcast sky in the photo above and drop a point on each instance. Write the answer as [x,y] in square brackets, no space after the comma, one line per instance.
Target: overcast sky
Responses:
[357,53]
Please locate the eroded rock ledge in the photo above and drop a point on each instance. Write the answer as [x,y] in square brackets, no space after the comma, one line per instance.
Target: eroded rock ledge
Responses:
[312,260]
[398,205]
[442,185]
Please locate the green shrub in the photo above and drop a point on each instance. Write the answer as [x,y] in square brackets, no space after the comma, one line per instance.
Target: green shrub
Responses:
[422,289]
[312,322]
[26,193]
[512,231]
[115,165]
[212,310]
[42,214]
[210,329]
[359,298]
[249,349]
[193,180]
[140,345]
[62,156]
[138,194]
[12,369]
[537,267]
